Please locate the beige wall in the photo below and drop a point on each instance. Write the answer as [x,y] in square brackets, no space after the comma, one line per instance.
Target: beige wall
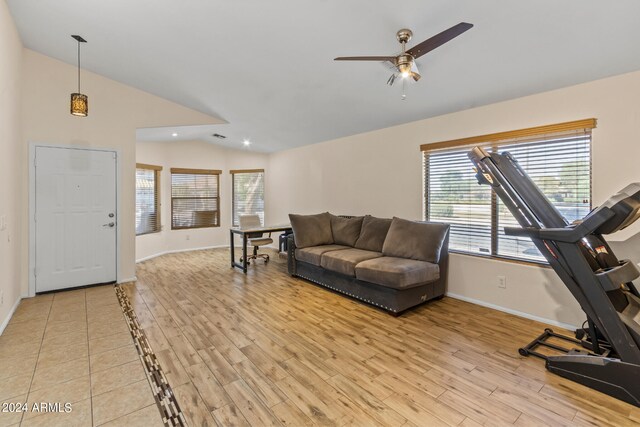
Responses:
[196,155]
[380,173]
[115,111]
[377,172]
[10,162]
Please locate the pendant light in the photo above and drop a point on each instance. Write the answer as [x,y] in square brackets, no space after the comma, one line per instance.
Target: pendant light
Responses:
[79,101]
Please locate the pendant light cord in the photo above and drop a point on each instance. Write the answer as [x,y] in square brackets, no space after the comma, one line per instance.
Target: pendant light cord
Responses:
[78,66]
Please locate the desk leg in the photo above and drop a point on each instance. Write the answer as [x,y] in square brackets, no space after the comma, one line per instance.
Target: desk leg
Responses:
[244,252]
[233,254]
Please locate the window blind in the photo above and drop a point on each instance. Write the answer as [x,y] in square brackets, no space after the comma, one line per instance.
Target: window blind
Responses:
[454,196]
[561,167]
[559,163]
[147,199]
[195,198]
[248,194]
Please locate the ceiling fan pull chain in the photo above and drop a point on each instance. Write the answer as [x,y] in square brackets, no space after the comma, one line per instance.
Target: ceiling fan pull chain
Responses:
[404,87]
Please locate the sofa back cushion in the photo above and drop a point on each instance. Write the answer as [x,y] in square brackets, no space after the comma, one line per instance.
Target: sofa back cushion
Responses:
[311,230]
[373,233]
[346,230]
[415,240]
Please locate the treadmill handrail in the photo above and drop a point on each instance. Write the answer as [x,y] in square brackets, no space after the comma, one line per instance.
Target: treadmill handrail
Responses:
[570,234]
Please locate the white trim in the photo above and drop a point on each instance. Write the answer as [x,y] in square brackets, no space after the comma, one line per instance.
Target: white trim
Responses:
[182,250]
[130,279]
[514,312]
[5,322]
[32,203]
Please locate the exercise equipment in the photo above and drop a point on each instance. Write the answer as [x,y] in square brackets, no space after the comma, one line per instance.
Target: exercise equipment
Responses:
[606,353]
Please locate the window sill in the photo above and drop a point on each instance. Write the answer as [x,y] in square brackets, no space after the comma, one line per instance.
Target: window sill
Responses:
[148,232]
[542,264]
[195,228]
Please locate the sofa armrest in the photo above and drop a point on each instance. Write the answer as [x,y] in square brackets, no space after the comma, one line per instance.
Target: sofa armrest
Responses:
[291,255]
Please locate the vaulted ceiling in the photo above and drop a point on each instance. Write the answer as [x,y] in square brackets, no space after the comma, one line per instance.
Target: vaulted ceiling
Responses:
[266,67]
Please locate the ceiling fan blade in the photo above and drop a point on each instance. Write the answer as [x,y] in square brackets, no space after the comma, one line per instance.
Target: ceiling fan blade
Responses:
[365,58]
[392,79]
[439,39]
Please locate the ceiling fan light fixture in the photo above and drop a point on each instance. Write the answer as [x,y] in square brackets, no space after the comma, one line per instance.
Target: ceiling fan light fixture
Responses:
[404,63]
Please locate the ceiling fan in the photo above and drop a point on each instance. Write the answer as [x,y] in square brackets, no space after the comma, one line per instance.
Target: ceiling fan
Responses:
[404,64]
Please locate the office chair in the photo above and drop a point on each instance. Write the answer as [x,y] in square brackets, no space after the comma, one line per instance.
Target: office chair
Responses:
[254,239]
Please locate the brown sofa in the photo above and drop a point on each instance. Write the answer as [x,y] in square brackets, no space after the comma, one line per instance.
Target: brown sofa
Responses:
[394,263]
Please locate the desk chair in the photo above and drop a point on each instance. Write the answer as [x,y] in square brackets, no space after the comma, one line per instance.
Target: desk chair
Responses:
[254,239]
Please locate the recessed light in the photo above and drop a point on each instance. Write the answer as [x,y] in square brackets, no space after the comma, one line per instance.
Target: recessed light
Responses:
[246,142]
[174,134]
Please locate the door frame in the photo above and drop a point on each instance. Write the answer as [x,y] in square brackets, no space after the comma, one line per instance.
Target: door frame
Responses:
[32,206]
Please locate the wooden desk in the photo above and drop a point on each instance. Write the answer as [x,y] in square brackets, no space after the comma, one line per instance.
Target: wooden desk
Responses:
[244,233]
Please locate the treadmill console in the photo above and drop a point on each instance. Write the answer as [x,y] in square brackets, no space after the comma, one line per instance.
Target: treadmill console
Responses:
[626,208]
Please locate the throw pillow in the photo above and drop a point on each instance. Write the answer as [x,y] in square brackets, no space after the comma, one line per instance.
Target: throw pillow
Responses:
[311,230]
[346,230]
[415,240]
[374,231]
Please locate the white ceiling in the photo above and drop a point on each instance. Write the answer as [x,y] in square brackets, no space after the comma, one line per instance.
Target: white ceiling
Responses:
[267,67]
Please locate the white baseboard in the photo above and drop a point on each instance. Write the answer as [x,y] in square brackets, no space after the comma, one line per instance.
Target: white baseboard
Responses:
[5,322]
[182,250]
[514,312]
[131,279]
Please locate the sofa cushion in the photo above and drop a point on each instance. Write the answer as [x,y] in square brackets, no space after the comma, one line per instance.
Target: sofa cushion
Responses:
[346,230]
[311,230]
[345,261]
[313,254]
[397,273]
[415,240]
[374,230]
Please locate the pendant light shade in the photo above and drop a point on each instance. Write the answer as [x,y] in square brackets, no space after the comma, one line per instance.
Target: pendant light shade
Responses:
[79,104]
[79,101]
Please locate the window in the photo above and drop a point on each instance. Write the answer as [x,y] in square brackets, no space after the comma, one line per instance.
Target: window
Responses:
[248,193]
[147,199]
[195,198]
[556,157]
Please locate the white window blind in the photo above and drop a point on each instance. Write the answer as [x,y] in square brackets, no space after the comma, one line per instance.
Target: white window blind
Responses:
[195,198]
[248,194]
[561,167]
[454,196]
[147,199]
[560,164]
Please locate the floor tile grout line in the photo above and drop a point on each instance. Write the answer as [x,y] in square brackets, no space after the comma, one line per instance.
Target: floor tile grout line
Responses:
[33,374]
[126,415]
[164,397]
[112,366]
[86,317]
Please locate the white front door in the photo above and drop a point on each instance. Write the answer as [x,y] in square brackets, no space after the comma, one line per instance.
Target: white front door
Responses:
[75,217]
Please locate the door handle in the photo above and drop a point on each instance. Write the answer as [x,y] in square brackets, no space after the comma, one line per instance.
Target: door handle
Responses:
[110,225]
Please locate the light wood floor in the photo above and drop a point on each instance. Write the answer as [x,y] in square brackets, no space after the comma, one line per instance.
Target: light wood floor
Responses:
[268,349]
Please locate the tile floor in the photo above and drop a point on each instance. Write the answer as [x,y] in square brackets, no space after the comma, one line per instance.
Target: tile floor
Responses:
[74,347]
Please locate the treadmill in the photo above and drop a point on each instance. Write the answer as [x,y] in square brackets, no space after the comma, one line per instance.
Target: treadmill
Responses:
[605,353]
